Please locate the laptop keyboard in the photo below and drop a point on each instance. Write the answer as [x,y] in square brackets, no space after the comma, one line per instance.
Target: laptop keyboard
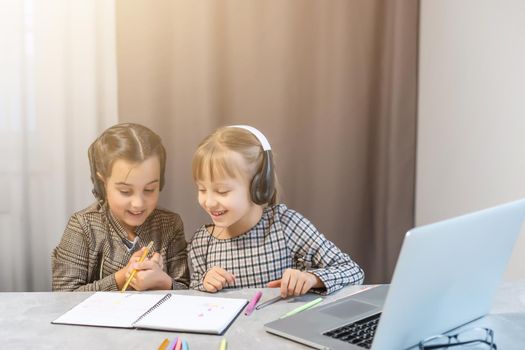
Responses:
[360,333]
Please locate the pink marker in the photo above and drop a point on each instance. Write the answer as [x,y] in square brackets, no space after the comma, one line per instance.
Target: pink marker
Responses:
[252,303]
[178,345]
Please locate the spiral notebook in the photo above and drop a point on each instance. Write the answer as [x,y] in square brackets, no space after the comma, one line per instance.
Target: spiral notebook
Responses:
[169,312]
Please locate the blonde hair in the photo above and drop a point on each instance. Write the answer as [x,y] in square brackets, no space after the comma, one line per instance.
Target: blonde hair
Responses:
[126,141]
[213,157]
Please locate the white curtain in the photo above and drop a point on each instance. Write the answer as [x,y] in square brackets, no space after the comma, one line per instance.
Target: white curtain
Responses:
[57,92]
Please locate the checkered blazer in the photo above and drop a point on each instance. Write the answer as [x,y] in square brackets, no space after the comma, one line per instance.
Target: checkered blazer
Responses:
[92,249]
[282,239]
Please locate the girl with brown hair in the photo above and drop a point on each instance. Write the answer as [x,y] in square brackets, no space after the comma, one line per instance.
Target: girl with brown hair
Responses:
[102,244]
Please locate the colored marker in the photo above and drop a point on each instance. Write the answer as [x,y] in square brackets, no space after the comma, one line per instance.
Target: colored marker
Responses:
[178,345]
[252,303]
[302,308]
[173,344]
[268,302]
[224,344]
[163,345]
[185,345]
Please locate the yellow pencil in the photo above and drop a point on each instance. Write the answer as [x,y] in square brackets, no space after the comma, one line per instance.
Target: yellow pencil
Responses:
[224,344]
[144,254]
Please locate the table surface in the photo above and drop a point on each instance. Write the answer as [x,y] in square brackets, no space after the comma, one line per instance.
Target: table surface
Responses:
[25,322]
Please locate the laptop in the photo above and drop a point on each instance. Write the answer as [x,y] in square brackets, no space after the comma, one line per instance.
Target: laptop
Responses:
[446,275]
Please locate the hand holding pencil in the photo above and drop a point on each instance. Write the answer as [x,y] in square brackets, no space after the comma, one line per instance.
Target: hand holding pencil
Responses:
[134,271]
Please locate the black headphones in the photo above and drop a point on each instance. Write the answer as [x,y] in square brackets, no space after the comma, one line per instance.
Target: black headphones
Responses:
[262,187]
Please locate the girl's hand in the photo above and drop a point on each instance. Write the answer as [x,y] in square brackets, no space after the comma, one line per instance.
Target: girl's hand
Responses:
[150,275]
[121,275]
[216,279]
[295,283]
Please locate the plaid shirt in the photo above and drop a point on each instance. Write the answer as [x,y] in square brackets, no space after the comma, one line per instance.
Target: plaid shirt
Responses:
[282,239]
[92,249]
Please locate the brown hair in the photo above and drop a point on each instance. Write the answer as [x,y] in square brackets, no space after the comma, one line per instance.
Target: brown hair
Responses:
[127,141]
[213,157]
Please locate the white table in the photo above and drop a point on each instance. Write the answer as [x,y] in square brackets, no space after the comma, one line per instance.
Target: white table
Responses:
[25,323]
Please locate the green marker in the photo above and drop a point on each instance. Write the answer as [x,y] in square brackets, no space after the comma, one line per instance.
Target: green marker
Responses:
[302,308]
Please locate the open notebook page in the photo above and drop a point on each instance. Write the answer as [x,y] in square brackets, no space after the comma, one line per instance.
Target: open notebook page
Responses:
[110,309]
[188,313]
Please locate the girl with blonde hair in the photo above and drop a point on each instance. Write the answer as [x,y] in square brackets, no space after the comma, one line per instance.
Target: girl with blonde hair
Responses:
[254,241]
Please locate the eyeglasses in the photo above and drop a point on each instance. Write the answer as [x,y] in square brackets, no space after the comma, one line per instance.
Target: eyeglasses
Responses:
[469,337]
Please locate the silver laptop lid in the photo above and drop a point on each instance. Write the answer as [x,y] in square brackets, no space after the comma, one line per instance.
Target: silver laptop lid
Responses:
[447,274]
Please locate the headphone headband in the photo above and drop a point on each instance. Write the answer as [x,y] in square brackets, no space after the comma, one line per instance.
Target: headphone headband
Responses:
[259,135]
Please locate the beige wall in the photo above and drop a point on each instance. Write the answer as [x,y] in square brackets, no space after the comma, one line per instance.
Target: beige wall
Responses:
[471,139]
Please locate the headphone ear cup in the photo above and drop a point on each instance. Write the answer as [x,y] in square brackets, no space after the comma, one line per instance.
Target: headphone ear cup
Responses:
[262,187]
[254,189]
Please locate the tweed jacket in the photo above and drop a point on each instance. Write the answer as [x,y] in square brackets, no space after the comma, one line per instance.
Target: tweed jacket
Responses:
[93,248]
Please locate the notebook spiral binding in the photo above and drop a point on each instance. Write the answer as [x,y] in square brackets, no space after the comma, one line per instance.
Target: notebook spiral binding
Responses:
[161,301]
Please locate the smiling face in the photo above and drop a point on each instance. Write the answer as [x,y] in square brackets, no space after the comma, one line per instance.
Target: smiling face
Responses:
[132,191]
[227,200]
